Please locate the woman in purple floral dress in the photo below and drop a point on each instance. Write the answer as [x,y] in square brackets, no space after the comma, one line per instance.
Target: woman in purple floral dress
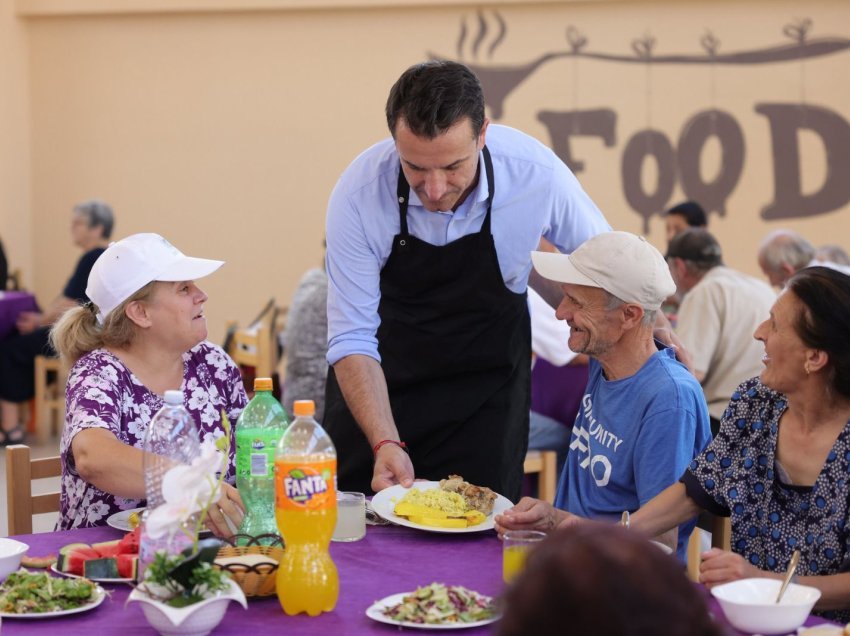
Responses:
[143,333]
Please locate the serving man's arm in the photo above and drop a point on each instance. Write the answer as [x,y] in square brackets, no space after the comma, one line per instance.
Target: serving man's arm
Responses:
[364,387]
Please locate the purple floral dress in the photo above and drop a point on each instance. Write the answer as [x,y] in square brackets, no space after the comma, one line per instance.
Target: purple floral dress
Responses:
[103,393]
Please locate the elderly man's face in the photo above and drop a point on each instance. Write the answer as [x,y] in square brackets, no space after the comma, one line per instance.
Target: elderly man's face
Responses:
[594,328]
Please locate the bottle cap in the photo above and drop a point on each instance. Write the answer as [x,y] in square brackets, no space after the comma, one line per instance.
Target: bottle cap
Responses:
[303,407]
[263,384]
[173,397]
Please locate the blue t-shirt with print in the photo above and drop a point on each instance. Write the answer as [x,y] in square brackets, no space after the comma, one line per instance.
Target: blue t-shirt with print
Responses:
[633,438]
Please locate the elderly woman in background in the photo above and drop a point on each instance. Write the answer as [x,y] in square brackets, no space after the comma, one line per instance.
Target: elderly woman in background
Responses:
[603,580]
[781,461]
[143,332]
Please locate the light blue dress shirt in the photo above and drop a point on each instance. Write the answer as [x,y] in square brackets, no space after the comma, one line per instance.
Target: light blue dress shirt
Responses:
[536,195]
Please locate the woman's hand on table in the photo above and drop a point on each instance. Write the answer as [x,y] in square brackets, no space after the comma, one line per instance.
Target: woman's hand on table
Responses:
[228,509]
[720,566]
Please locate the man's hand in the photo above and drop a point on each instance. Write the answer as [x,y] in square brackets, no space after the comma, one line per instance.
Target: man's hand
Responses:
[663,332]
[392,466]
[228,508]
[528,514]
[28,321]
[719,566]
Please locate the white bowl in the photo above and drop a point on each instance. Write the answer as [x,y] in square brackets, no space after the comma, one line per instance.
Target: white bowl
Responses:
[750,605]
[193,620]
[11,552]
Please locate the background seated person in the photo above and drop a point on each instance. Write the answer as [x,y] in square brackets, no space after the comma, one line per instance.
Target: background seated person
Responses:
[143,332]
[595,579]
[91,227]
[643,416]
[780,462]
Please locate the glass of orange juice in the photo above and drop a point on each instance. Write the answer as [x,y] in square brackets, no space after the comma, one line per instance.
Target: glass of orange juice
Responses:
[515,547]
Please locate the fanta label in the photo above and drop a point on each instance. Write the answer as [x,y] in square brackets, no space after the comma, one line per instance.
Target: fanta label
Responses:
[305,486]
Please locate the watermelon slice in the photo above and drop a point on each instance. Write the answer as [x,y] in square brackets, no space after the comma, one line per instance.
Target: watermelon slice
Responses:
[128,566]
[64,551]
[106,548]
[75,560]
[130,543]
[101,568]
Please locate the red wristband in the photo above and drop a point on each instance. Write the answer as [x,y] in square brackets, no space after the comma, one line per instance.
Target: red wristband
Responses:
[401,445]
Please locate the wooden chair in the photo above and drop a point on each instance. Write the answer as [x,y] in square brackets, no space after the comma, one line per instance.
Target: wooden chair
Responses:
[721,537]
[14,281]
[545,465]
[256,346]
[21,504]
[51,376]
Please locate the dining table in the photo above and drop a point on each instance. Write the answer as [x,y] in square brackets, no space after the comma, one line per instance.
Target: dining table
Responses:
[12,303]
[388,560]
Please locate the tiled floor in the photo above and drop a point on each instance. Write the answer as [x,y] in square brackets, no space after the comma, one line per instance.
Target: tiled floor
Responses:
[41,523]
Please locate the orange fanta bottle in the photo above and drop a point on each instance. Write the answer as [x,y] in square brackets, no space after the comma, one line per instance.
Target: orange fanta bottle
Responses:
[305,509]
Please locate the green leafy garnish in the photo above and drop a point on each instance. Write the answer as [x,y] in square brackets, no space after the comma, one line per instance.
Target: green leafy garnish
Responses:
[26,593]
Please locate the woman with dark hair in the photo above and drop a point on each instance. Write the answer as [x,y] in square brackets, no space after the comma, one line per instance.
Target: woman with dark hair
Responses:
[604,580]
[780,465]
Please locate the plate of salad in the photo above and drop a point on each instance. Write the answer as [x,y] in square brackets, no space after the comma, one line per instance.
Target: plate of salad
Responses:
[27,595]
[435,606]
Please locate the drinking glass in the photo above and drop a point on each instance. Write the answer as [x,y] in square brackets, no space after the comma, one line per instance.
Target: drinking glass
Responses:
[350,516]
[515,547]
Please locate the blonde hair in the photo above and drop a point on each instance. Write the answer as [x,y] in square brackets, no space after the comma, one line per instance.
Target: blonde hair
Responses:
[77,332]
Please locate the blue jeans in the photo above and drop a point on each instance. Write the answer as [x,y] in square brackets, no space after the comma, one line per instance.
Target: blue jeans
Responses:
[545,433]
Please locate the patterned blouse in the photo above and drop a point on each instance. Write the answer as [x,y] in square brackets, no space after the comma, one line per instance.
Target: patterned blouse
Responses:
[103,393]
[737,475]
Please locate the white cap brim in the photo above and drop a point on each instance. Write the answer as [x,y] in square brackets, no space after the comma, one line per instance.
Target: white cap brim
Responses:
[559,268]
[188,268]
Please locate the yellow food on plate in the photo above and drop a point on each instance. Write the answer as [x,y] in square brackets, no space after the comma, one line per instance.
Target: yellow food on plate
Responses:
[438,508]
[133,520]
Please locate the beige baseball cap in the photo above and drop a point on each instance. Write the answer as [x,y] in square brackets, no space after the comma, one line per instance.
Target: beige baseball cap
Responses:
[621,263]
[131,263]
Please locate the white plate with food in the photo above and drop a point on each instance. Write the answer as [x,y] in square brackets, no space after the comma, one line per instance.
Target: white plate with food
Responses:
[121,520]
[408,610]
[70,575]
[384,504]
[96,598]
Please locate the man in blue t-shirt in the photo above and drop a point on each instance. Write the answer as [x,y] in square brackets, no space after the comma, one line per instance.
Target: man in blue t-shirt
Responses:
[643,416]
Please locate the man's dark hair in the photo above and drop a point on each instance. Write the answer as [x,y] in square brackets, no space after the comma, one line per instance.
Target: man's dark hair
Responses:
[698,248]
[433,96]
[692,212]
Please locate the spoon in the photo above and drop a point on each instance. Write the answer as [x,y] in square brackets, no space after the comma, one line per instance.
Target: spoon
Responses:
[795,558]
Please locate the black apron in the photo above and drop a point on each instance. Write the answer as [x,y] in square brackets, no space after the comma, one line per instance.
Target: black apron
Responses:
[455,345]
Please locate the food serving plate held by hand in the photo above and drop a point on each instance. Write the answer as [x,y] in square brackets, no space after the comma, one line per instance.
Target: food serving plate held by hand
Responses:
[384,503]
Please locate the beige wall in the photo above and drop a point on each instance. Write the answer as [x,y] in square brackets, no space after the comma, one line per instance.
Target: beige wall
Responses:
[226,130]
[15,219]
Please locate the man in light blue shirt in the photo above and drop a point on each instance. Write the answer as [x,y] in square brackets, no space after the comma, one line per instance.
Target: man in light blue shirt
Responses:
[643,416]
[428,236]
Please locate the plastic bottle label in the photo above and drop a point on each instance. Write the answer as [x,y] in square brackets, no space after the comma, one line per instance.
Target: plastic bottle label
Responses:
[305,486]
[259,465]
[255,451]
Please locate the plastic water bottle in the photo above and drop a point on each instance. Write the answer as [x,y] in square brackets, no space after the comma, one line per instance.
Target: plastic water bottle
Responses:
[258,431]
[305,507]
[171,439]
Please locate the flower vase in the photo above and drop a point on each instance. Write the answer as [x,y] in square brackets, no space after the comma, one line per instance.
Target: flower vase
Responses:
[197,619]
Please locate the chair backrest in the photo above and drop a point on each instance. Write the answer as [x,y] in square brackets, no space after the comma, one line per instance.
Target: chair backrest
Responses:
[257,346]
[721,537]
[545,463]
[14,280]
[21,504]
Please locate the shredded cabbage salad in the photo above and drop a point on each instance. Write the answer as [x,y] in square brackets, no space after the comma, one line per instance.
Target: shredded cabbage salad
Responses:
[440,604]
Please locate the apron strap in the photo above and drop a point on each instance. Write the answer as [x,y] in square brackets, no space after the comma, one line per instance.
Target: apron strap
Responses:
[403,194]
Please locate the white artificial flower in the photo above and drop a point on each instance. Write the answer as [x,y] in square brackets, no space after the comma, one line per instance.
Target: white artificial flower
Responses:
[187,490]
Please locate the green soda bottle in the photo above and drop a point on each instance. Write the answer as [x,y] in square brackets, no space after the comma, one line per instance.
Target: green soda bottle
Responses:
[258,431]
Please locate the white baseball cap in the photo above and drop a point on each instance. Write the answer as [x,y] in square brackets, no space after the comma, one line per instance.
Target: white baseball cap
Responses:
[131,263]
[621,263]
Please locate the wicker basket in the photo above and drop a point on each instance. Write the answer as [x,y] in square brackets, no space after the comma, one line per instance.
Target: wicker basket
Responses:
[255,580]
